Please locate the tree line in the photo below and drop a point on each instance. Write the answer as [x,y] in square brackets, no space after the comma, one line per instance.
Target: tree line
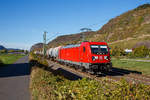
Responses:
[141,51]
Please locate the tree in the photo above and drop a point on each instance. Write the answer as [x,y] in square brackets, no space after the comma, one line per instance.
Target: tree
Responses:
[26,51]
[141,51]
[3,51]
[117,51]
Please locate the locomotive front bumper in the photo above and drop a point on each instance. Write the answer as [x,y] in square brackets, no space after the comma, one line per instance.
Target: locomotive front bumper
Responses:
[101,66]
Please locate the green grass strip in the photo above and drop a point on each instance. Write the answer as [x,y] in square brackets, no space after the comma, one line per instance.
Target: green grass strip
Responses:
[143,67]
[10,58]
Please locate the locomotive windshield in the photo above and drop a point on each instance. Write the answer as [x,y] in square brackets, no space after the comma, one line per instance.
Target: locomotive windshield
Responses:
[99,49]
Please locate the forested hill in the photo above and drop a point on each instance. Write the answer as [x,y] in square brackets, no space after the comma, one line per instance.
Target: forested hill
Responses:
[2,47]
[37,46]
[125,30]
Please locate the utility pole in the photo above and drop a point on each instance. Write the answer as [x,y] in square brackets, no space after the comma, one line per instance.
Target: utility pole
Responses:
[83,37]
[83,30]
[44,43]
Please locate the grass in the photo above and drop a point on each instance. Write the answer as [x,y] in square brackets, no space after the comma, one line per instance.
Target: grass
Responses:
[132,58]
[143,67]
[10,58]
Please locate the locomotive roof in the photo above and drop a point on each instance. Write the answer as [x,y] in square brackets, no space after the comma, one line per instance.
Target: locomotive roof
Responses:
[77,45]
[98,43]
[72,45]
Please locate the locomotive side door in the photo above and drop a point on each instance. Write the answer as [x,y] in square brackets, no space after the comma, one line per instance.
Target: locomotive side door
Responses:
[83,54]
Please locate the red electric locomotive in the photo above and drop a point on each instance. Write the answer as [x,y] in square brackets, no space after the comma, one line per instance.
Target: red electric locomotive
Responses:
[92,56]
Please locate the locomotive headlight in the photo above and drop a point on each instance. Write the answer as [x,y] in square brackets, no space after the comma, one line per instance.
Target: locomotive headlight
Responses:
[94,58]
[106,57]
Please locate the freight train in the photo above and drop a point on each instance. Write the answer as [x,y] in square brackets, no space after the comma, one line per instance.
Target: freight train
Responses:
[92,57]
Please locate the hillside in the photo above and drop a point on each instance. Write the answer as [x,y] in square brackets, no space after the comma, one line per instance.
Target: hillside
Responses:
[8,49]
[131,27]
[126,30]
[36,46]
[70,39]
[2,47]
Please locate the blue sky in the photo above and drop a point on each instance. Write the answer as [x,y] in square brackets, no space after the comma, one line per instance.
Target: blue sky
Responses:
[22,22]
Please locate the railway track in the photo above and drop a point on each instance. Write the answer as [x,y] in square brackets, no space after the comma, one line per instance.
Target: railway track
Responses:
[115,75]
[137,78]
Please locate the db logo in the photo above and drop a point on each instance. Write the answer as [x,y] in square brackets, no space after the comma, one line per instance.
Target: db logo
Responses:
[101,58]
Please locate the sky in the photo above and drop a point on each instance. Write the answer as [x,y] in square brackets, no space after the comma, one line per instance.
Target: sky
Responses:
[23,22]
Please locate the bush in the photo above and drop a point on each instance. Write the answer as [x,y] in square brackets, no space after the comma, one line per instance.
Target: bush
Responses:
[38,58]
[1,63]
[116,51]
[141,51]
[3,51]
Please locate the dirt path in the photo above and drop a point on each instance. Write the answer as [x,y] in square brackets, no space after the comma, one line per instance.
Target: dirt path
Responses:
[130,38]
[14,81]
[138,60]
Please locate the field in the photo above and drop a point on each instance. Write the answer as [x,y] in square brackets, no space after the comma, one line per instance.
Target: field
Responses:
[9,58]
[140,66]
[46,84]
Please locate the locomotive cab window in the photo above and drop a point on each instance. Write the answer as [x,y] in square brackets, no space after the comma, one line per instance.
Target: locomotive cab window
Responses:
[99,49]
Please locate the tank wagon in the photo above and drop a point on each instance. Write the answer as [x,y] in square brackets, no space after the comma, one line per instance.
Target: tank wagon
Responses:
[90,56]
[49,53]
[52,53]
